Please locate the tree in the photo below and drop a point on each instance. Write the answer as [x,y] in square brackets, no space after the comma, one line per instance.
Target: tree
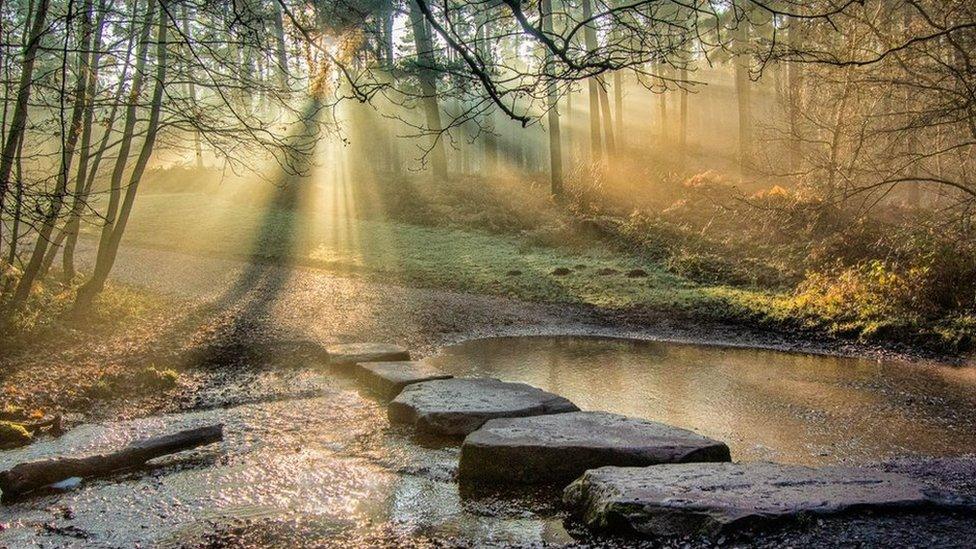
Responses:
[743,91]
[116,217]
[15,132]
[427,70]
[555,142]
[36,262]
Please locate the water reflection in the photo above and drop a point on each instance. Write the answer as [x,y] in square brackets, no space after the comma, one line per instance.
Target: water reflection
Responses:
[329,470]
[765,404]
[321,471]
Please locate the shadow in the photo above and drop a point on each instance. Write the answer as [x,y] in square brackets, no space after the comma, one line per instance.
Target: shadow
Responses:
[233,323]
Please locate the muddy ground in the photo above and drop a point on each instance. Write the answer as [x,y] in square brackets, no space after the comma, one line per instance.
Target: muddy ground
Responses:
[246,336]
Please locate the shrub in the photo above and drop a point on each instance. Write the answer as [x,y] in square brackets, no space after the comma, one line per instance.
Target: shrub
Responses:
[879,299]
[45,313]
[712,268]
[871,292]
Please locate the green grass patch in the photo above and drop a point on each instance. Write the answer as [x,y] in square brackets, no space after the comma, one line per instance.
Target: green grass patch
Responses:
[45,316]
[423,256]
[519,266]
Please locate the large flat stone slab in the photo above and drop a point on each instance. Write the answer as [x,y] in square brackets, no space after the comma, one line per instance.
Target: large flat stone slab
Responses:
[349,354]
[561,447]
[712,498]
[387,379]
[459,406]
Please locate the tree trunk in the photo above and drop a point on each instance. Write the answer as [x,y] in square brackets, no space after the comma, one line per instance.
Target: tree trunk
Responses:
[113,227]
[75,223]
[683,116]
[837,133]
[607,121]
[18,207]
[589,38]
[570,120]
[663,111]
[794,83]
[389,17]
[618,99]
[72,224]
[19,119]
[428,90]
[191,89]
[555,143]
[33,268]
[914,188]
[743,93]
[490,145]
[27,477]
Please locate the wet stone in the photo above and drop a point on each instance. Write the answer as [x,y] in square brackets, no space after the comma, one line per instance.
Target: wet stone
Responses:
[387,379]
[459,406]
[348,354]
[561,447]
[714,498]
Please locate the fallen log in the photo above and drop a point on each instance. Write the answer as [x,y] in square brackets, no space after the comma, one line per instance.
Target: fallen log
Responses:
[26,477]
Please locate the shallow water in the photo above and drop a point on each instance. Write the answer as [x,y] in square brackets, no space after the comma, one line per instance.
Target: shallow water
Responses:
[769,405]
[326,468]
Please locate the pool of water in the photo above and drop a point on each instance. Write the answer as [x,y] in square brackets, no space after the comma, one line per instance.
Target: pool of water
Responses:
[314,471]
[769,405]
[325,468]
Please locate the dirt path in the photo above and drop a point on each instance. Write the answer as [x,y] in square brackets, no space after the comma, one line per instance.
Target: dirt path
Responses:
[231,316]
[268,300]
[310,461]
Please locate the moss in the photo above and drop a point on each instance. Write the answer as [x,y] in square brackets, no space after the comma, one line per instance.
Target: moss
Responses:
[154,378]
[141,381]
[13,435]
[103,389]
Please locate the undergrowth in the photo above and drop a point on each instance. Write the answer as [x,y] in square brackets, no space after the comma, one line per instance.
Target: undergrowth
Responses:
[712,247]
[45,314]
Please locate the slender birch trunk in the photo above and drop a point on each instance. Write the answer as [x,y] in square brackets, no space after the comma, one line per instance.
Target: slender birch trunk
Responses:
[33,269]
[589,38]
[555,143]
[428,90]
[106,255]
[18,121]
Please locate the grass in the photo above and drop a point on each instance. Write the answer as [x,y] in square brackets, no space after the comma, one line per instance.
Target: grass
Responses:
[497,263]
[45,316]
[437,257]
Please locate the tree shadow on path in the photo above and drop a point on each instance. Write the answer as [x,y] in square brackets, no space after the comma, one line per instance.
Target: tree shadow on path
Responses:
[227,331]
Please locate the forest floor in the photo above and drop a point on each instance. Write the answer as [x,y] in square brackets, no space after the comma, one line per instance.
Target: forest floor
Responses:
[238,272]
[236,333]
[196,314]
[522,265]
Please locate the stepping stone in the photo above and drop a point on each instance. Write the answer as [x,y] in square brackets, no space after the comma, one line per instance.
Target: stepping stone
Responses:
[713,498]
[561,447]
[459,406]
[348,354]
[389,378]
